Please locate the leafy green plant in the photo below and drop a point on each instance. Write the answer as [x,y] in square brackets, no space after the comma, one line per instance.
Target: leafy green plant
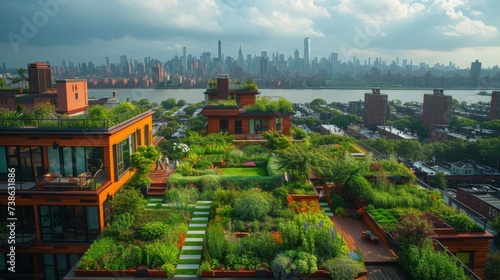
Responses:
[251,205]
[169,269]
[128,200]
[163,253]
[342,268]
[205,266]
[122,223]
[154,230]
[214,241]
[181,198]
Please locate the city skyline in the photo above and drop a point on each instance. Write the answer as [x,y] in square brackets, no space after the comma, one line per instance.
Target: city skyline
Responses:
[430,31]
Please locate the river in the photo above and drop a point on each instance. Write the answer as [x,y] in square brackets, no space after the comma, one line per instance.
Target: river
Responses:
[293,95]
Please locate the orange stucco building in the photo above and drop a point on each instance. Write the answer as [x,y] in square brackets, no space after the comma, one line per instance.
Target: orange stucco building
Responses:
[64,182]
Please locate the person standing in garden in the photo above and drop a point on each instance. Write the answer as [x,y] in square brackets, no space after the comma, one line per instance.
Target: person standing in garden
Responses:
[159,163]
[167,163]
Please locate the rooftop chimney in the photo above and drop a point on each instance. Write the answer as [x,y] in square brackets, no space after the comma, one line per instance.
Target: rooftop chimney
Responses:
[114,93]
[222,86]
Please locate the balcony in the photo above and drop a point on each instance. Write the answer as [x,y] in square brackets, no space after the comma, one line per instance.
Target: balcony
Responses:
[72,122]
[86,181]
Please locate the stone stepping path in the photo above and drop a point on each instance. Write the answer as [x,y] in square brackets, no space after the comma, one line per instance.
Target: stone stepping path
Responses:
[190,257]
[326,207]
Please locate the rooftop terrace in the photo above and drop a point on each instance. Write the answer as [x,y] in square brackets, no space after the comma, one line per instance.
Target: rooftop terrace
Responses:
[14,121]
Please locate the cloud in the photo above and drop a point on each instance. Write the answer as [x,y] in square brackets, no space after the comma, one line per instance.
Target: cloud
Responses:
[308,7]
[468,27]
[281,24]
[462,24]
[477,13]
[382,10]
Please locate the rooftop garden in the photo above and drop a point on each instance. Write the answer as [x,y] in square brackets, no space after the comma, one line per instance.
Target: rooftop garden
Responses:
[249,84]
[138,237]
[266,104]
[44,116]
[229,102]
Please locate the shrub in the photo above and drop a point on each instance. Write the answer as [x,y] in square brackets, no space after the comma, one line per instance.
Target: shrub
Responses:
[169,269]
[251,206]
[214,242]
[162,253]
[181,198]
[128,200]
[342,268]
[154,230]
[121,223]
[493,266]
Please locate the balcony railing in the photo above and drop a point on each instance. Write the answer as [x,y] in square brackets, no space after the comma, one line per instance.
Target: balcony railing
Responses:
[71,122]
[84,182]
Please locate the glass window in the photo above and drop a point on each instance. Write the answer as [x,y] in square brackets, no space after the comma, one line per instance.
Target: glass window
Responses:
[123,156]
[3,160]
[56,266]
[279,124]
[69,223]
[465,258]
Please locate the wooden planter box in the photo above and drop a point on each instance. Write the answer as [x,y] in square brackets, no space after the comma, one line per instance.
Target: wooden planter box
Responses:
[229,273]
[305,197]
[112,273]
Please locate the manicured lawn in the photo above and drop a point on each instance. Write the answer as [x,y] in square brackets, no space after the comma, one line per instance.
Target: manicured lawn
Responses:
[244,171]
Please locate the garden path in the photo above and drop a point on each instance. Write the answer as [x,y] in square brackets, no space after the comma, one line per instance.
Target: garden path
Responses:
[159,180]
[190,257]
[374,253]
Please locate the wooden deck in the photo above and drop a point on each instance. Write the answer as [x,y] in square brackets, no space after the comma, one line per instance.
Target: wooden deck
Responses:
[374,253]
[159,180]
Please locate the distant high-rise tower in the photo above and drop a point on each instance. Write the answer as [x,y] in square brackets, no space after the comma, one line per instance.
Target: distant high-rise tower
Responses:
[220,50]
[475,69]
[158,74]
[39,76]
[334,61]
[375,108]
[107,62]
[184,59]
[307,53]
[436,110]
[240,57]
[495,105]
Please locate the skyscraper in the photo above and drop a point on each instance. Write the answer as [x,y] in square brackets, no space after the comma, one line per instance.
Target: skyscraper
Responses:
[40,77]
[376,108]
[436,110]
[307,53]
[220,50]
[184,59]
[475,69]
[240,57]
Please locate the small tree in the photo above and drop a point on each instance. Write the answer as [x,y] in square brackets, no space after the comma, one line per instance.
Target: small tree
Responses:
[141,161]
[413,229]
[438,181]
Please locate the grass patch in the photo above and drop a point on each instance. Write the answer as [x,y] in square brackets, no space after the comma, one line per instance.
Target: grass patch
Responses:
[244,171]
[186,271]
[191,252]
[189,261]
[193,243]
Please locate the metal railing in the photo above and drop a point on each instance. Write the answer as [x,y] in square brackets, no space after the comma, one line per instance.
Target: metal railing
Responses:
[71,122]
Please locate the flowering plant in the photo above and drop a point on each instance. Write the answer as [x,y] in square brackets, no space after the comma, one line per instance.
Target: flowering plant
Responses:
[181,147]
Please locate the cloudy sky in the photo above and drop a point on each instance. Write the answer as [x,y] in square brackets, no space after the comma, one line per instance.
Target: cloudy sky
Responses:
[431,31]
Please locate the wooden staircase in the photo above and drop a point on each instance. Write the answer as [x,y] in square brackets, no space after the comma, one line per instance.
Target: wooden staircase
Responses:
[158,181]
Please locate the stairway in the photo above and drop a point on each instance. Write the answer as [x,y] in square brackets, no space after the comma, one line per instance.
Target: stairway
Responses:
[326,207]
[190,257]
